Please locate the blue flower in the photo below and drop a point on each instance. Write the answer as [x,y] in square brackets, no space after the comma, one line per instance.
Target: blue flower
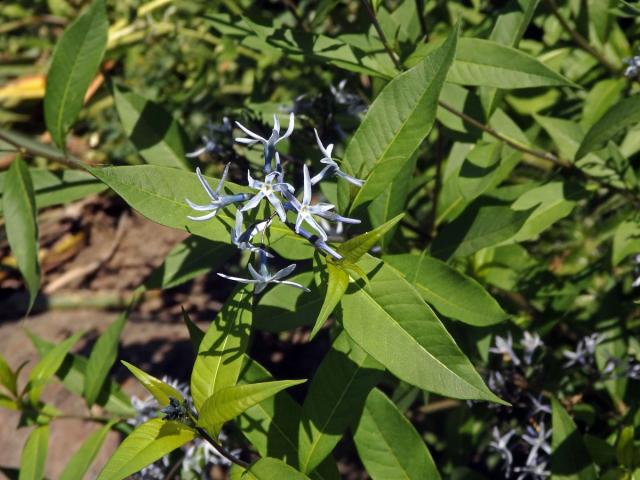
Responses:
[242,238]
[504,347]
[268,190]
[217,201]
[539,440]
[270,143]
[530,343]
[210,144]
[306,210]
[500,444]
[535,471]
[332,167]
[262,278]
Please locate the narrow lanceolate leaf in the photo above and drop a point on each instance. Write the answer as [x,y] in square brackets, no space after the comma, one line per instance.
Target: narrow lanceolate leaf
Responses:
[483,224]
[335,399]
[272,469]
[227,403]
[622,115]
[55,188]
[220,353]
[146,444]
[490,64]
[103,356]
[19,207]
[76,59]
[626,241]
[8,377]
[154,132]
[72,374]
[550,203]
[160,390]
[508,30]
[409,340]
[353,249]
[337,283]
[388,445]
[195,333]
[82,459]
[570,459]
[34,454]
[450,291]
[159,194]
[272,425]
[398,121]
[48,366]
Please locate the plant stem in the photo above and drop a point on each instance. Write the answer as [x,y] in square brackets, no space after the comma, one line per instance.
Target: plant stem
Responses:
[579,39]
[381,34]
[503,138]
[221,450]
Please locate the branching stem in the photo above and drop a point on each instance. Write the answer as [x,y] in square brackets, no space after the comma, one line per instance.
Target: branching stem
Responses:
[221,450]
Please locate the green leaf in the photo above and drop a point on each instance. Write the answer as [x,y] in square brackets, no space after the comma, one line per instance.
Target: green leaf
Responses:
[388,445]
[220,354]
[195,334]
[272,469]
[625,447]
[76,59]
[55,188]
[404,323]
[103,356]
[570,458]
[272,425]
[281,309]
[335,399]
[48,366]
[483,224]
[602,96]
[626,241]
[159,194]
[337,283]
[392,201]
[21,226]
[229,402]
[550,203]
[192,257]
[8,377]
[72,374]
[34,454]
[160,390]
[491,64]
[82,459]
[154,132]
[622,115]
[353,249]
[397,122]
[146,444]
[451,292]
[509,28]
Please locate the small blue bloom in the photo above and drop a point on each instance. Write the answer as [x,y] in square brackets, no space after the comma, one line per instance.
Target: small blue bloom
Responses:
[538,440]
[537,471]
[500,444]
[270,143]
[217,201]
[306,210]
[262,278]
[268,190]
[530,343]
[242,238]
[332,167]
[504,347]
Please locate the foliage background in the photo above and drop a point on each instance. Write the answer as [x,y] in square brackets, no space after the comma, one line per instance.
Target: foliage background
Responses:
[563,269]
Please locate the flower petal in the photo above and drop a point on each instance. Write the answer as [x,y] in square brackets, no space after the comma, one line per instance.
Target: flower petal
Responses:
[205,185]
[250,133]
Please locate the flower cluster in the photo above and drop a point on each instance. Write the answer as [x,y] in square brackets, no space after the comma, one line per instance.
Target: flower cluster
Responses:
[524,453]
[633,70]
[198,455]
[281,197]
